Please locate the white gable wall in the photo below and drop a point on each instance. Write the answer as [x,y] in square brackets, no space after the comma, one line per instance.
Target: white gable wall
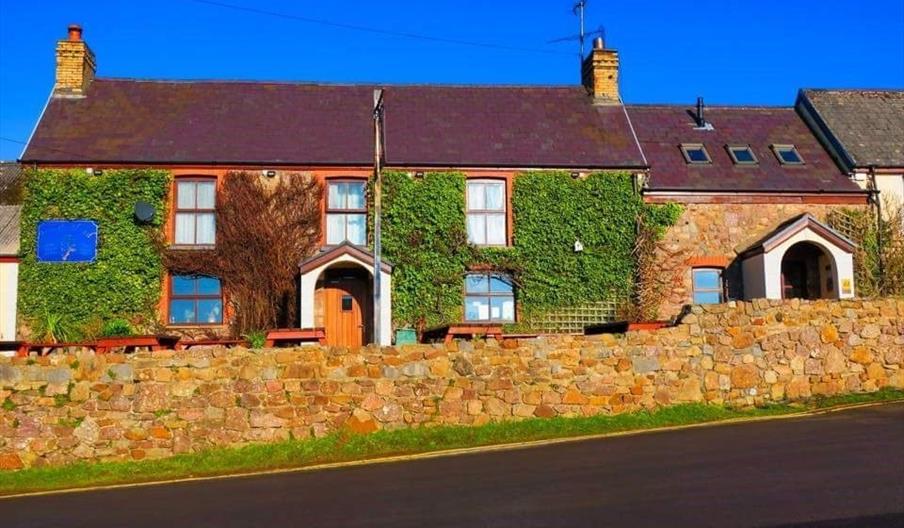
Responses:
[9,284]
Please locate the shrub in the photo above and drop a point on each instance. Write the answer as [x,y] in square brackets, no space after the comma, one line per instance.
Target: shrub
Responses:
[117,328]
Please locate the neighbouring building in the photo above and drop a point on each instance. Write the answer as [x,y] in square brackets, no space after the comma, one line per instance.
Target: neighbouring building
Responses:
[9,270]
[864,132]
[755,182]
[757,187]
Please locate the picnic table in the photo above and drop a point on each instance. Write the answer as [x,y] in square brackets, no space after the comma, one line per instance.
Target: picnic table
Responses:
[130,343]
[185,345]
[450,332]
[289,336]
[45,348]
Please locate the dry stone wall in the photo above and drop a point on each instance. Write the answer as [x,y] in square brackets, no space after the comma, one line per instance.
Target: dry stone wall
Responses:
[64,408]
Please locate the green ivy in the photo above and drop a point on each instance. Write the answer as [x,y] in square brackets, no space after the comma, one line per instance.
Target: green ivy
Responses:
[424,235]
[124,281]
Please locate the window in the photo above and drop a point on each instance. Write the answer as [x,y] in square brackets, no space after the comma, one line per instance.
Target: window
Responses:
[742,155]
[707,286]
[787,155]
[346,213]
[195,212]
[195,300]
[695,153]
[486,213]
[489,297]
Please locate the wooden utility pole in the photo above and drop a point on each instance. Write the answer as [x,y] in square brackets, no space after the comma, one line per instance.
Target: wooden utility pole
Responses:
[378,212]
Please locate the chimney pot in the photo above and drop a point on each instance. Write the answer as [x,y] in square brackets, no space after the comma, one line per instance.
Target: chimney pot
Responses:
[75,32]
[598,43]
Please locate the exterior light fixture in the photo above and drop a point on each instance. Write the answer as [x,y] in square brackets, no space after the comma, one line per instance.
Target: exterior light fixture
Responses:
[578,246]
[98,172]
[419,174]
[575,175]
[269,173]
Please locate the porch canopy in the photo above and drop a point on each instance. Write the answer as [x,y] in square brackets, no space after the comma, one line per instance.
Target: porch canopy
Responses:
[801,258]
[347,256]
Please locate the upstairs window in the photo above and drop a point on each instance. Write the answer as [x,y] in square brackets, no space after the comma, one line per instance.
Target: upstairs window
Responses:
[742,155]
[346,213]
[708,287]
[695,154]
[195,212]
[489,297]
[787,155]
[195,300]
[486,213]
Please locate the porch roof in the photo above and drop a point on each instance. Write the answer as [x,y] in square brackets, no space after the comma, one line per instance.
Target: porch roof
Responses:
[327,255]
[791,227]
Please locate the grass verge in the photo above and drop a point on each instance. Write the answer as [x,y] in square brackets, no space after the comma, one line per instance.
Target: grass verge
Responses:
[343,447]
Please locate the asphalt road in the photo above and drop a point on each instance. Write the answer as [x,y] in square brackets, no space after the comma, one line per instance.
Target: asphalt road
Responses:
[835,470]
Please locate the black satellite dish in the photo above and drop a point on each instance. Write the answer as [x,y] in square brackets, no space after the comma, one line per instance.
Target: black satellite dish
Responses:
[144,212]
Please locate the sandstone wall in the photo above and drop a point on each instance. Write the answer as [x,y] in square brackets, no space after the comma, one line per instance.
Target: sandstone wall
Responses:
[708,233]
[63,408]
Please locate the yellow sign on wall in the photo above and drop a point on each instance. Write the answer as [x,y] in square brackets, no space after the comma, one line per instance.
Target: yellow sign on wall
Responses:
[846,286]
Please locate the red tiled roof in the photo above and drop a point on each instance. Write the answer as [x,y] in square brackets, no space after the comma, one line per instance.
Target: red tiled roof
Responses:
[215,122]
[661,129]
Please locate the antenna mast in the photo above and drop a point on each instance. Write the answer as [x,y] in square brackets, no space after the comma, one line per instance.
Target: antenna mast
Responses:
[578,9]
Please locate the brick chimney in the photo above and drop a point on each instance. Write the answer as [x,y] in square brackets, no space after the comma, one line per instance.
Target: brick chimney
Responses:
[75,64]
[599,73]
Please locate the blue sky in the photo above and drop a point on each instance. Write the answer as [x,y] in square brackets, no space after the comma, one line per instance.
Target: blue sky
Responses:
[732,52]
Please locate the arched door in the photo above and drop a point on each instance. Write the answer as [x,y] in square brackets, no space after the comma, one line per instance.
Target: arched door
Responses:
[344,300]
[807,273]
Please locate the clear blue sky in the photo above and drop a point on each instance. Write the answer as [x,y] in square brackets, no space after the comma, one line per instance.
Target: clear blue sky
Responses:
[730,51]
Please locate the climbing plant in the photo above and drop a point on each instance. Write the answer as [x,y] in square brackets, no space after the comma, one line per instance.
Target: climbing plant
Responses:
[424,235]
[124,281]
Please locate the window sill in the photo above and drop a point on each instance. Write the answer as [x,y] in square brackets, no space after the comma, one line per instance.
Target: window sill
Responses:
[192,247]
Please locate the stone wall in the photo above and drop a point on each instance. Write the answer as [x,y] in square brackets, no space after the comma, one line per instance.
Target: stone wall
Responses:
[713,235]
[63,408]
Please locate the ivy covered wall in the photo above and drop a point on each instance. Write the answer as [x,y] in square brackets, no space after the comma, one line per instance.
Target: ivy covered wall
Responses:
[424,235]
[124,281]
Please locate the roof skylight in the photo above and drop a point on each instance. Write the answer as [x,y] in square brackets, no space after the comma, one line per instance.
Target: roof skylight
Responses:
[695,153]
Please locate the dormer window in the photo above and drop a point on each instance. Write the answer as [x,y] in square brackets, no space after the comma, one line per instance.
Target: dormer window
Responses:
[787,155]
[742,155]
[695,154]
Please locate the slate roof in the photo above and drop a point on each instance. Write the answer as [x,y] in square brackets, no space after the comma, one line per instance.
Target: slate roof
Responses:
[865,127]
[661,129]
[10,181]
[9,229]
[223,122]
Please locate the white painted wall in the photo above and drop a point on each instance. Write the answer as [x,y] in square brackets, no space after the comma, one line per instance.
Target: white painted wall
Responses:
[890,187]
[754,277]
[842,265]
[309,286]
[9,287]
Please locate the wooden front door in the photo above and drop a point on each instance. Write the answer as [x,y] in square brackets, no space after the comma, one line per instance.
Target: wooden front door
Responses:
[345,298]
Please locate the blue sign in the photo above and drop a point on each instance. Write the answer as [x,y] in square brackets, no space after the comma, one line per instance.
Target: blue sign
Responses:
[67,241]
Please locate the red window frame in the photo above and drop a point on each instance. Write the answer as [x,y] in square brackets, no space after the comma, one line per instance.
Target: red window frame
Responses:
[195,297]
[487,212]
[327,210]
[195,211]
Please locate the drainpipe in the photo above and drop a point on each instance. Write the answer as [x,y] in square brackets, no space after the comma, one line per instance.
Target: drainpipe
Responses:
[877,201]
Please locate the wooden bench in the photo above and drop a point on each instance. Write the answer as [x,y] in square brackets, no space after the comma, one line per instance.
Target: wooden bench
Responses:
[130,343]
[45,348]
[291,336]
[185,345]
[450,332]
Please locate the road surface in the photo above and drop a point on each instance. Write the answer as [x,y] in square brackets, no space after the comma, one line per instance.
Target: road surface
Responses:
[839,469]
